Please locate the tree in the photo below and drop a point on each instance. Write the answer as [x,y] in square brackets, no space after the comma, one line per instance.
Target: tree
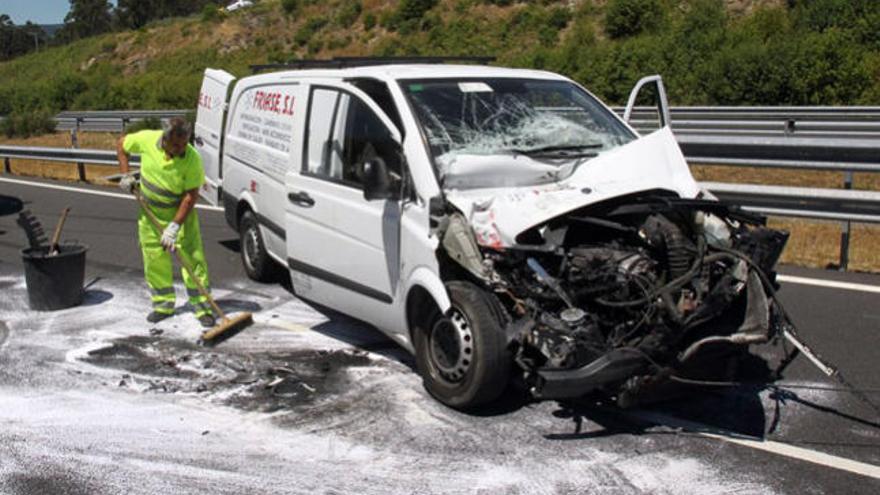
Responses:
[86,18]
[133,14]
[19,40]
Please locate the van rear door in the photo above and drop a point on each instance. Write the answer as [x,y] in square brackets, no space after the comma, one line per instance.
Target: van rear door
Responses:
[210,118]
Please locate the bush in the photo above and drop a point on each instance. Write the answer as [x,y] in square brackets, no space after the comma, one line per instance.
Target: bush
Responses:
[290,6]
[63,90]
[631,17]
[369,21]
[559,17]
[389,20]
[348,13]
[28,123]
[149,123]
[211,13]
[309,30]
[414,9]
[819,15]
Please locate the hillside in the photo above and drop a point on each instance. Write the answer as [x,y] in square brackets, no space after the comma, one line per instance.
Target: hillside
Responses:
[737,52]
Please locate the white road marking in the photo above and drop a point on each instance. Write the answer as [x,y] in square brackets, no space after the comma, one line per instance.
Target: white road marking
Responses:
[281,324]
[778,448]
[832,284]
[90,191]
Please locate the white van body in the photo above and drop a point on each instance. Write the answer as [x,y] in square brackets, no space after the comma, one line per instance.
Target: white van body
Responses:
[275,145]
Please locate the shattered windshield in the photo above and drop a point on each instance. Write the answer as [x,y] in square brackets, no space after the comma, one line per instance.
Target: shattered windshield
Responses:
[541,119]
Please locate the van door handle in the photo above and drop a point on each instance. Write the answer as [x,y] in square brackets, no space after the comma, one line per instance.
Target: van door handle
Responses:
[301,198]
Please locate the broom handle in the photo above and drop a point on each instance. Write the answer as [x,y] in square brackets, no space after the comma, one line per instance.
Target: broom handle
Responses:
[53,247]
[183,261]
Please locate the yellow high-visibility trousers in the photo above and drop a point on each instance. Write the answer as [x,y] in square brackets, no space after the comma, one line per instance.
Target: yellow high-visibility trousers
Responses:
[159,267]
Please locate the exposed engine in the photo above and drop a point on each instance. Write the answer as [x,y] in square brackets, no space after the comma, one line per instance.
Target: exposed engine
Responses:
[609,295]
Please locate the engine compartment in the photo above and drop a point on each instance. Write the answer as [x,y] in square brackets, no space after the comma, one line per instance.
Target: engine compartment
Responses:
[629,291]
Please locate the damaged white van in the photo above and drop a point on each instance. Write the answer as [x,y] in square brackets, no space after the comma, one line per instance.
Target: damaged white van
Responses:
[501,224]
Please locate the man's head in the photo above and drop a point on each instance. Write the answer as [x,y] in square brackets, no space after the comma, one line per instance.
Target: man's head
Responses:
[175,137]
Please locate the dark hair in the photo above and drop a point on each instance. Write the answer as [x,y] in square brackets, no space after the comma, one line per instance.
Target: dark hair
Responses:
[177,127]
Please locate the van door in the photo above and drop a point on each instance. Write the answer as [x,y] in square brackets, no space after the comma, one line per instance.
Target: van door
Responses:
[662,102]
[208,135]
[342,248]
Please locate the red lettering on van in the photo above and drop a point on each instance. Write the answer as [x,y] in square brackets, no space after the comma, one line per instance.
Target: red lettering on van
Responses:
[288,105]
[205,101]
[273,102]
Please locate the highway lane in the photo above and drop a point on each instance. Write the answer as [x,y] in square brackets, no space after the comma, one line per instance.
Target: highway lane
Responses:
[840,324]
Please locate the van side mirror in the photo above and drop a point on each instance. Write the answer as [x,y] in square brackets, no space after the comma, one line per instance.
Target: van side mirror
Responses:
[378,183]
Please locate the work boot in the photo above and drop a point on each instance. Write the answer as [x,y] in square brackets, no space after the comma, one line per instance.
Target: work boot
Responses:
[156,317]
[207,321]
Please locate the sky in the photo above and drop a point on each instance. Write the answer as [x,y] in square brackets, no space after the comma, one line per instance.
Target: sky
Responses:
[37,11]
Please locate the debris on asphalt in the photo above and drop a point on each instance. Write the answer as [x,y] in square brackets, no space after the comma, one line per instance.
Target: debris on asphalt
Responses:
[264,382]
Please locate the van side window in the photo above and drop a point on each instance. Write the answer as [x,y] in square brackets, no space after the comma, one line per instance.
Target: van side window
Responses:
[344,133]
[378,91]
[322,112]
[366,138]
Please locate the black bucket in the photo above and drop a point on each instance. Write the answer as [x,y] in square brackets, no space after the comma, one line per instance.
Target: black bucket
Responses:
[54,282]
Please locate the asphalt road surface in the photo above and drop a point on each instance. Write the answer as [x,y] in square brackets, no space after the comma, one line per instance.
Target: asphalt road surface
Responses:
[95,400]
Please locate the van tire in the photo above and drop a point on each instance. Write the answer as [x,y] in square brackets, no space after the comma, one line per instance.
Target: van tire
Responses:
[462,356]
[254,257]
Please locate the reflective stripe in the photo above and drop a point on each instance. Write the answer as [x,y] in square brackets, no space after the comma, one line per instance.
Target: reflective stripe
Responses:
[159,190]
[160,305]
[196,292]
[202,309]
[162,292]
[158,204]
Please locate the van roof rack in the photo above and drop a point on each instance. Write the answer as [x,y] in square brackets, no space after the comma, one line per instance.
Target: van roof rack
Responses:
[346,62]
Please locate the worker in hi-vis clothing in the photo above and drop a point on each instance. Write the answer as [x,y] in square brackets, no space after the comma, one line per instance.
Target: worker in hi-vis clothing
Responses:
[170,177]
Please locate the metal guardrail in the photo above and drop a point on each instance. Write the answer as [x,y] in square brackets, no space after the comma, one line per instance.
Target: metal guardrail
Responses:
[814,122]
[809,202]
[841,155]
[80,156]
[109,120]
[92,157]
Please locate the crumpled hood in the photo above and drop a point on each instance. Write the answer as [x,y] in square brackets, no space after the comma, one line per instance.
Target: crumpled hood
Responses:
[498,215]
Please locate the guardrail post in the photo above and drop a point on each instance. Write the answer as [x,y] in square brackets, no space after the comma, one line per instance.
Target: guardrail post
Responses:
[74,141]
[7,166]
[847,227]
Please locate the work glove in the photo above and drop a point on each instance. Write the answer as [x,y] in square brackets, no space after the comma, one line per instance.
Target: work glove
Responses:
[128,182]
[169,236]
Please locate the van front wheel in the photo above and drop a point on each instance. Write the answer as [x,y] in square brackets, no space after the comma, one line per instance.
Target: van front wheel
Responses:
[257,263]
[462,355]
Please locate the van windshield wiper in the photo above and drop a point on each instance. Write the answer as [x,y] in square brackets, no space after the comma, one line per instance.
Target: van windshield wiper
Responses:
[573,151]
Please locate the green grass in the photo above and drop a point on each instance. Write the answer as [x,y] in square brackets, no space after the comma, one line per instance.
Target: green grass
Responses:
[821,52]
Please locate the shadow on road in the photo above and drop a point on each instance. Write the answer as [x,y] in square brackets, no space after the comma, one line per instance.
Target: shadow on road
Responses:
[233,245]
[10,205]
[741,413]
[350,330]
[230,305]
[94,297]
